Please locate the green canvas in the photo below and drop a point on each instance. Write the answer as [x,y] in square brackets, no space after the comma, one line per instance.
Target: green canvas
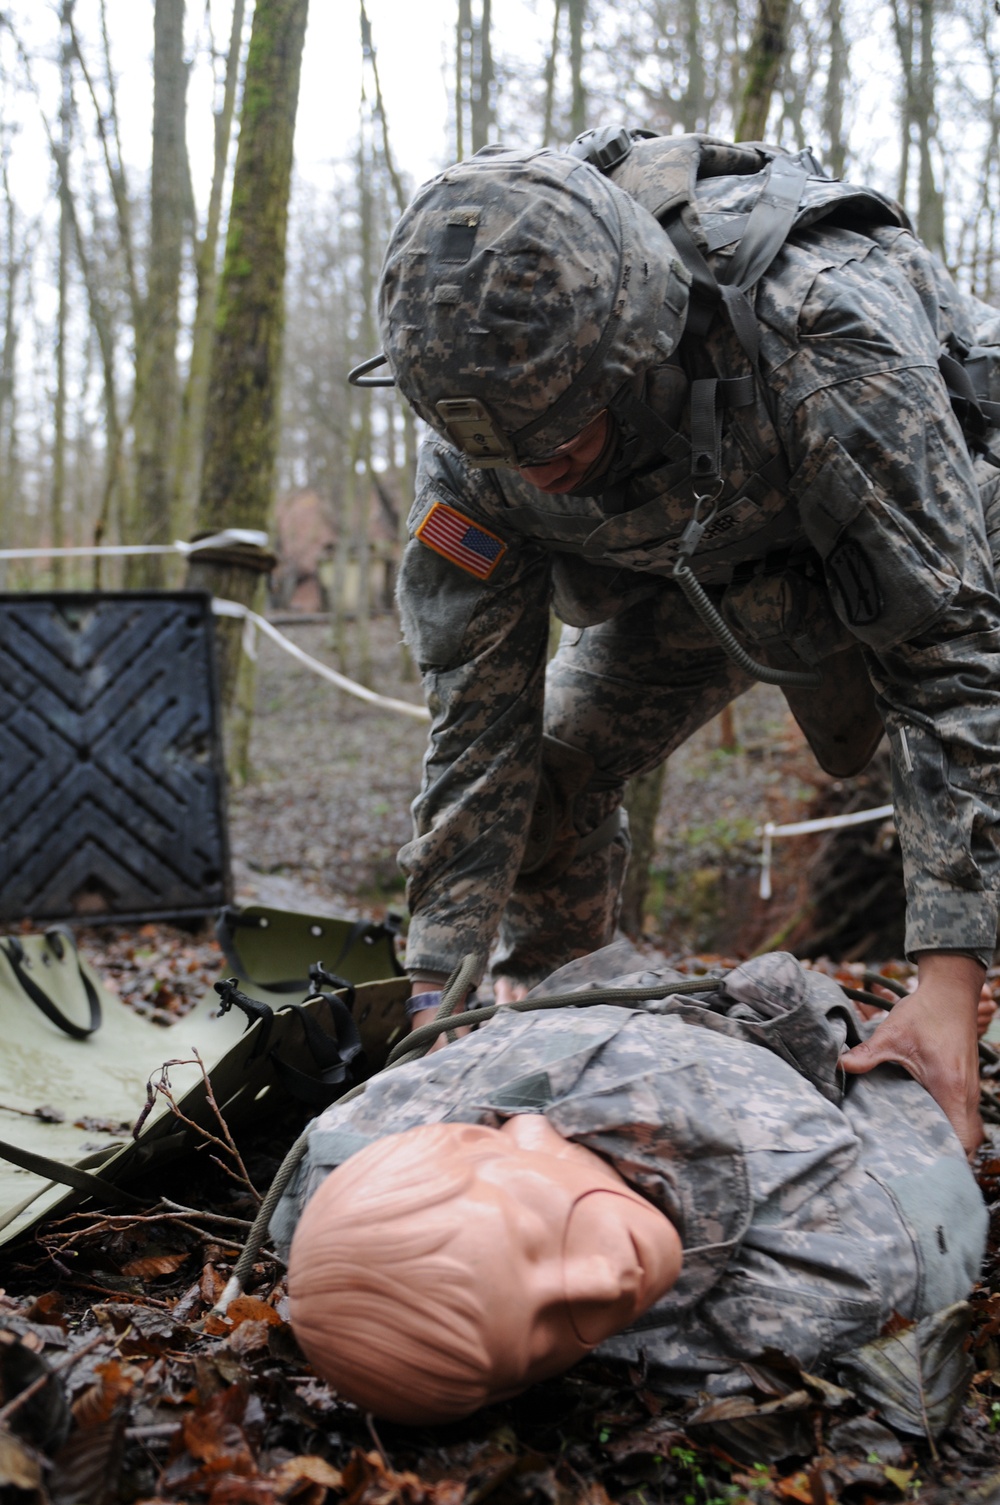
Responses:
[98,1083]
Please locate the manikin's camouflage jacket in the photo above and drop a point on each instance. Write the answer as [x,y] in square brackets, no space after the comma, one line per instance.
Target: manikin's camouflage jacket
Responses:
[851,528]
[807,1217]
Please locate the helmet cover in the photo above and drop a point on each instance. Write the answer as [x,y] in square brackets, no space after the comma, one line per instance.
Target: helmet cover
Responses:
[525,289]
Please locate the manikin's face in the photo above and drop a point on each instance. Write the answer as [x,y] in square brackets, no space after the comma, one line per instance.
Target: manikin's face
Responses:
[570,1254]
[570,463]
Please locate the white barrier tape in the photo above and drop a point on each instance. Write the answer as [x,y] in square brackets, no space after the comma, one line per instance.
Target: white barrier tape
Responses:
[252,623]
[805,828]
[223,608]
[221,540]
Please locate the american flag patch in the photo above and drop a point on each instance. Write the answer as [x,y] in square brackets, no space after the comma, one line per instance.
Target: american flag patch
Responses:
[465,543]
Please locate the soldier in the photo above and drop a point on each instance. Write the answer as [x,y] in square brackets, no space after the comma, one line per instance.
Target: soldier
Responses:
[684,1186]
[689,394]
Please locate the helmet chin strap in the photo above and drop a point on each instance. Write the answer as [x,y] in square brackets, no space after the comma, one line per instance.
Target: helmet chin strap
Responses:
[639,439]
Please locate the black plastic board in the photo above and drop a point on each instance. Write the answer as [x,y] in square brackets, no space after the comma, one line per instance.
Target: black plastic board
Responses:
[112,785]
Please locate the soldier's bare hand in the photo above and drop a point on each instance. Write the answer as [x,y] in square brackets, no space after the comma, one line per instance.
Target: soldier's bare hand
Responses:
[932,1034]
[506,990]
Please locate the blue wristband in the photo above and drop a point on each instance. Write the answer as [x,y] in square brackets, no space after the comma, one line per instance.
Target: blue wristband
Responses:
[420,1001]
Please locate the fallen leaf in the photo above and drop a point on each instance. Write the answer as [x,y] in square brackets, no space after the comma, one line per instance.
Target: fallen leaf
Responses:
[236,1489]
[43,1418]
[251,1309]
[367,1481]
[20,1466]
[155,1264]
[250,1337]
[795,1487]
[97,1403]
[901,1477]
[46,1309]
[87,1468]
[308,1469]
[917,1378]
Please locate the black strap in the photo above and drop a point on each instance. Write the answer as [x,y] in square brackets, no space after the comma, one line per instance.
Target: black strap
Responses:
[340,1056]
[706,430]
[14,952]
[771,221]
[67,1175]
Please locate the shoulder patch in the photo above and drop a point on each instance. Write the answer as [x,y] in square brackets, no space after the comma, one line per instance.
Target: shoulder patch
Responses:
[457,538]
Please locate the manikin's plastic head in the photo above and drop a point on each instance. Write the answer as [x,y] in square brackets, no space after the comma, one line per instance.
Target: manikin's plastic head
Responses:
[454,1265]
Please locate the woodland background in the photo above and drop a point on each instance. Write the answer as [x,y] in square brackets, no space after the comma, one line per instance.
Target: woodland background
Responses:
[179,311]
[174,344]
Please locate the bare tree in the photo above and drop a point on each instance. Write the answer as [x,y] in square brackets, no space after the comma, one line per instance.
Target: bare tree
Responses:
[766,53]
[190,446]
[157,386]
[241,432]
[837,73]
[475,78]
[62,281]
[913,26]
[577,12]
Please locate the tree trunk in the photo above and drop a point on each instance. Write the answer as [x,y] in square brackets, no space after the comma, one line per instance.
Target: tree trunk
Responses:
[190,446]
[157,402]
[241,431]
[902,24]
[578,95]
[8,361]
[930,200]
[482,81]
[833,97]
[765,56]
[361,521]
[695,112]
[550,76]
[463,54]
[62,311]
[642,801]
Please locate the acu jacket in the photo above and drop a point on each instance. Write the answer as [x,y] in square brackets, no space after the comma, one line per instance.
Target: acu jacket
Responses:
[850,532]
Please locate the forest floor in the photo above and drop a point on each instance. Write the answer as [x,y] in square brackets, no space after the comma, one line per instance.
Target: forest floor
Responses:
[117,1384]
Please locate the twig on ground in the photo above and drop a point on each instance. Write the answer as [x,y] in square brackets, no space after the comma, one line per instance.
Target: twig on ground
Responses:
[226,1145]
[66,1362]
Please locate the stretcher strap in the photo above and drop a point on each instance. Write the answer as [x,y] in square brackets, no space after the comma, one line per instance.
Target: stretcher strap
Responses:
[14,952]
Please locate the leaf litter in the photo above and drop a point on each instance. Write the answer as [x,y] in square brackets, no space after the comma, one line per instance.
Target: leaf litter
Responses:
[119,1384]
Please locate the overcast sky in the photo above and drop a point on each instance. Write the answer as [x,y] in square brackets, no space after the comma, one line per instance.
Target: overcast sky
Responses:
[415,44]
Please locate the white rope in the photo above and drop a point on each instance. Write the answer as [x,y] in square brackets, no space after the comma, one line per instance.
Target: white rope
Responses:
[224,608]
[228,536]
[805,828]
[252,623]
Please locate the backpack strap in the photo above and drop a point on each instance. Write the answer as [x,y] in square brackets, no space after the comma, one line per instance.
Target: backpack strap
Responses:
[767,229]
[976,414]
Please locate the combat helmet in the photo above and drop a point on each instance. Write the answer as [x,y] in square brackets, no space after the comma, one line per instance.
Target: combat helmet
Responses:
[521,292]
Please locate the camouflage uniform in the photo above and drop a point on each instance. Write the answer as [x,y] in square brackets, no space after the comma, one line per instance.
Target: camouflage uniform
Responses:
[849,534]
[807,1217]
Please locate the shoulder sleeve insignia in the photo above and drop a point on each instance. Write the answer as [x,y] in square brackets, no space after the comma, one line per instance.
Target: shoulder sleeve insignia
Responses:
[455,537]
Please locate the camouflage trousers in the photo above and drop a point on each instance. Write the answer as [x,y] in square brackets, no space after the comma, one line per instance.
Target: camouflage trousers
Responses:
[624,694]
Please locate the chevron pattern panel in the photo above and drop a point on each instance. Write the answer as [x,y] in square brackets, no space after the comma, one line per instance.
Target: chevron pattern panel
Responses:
[111,772]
